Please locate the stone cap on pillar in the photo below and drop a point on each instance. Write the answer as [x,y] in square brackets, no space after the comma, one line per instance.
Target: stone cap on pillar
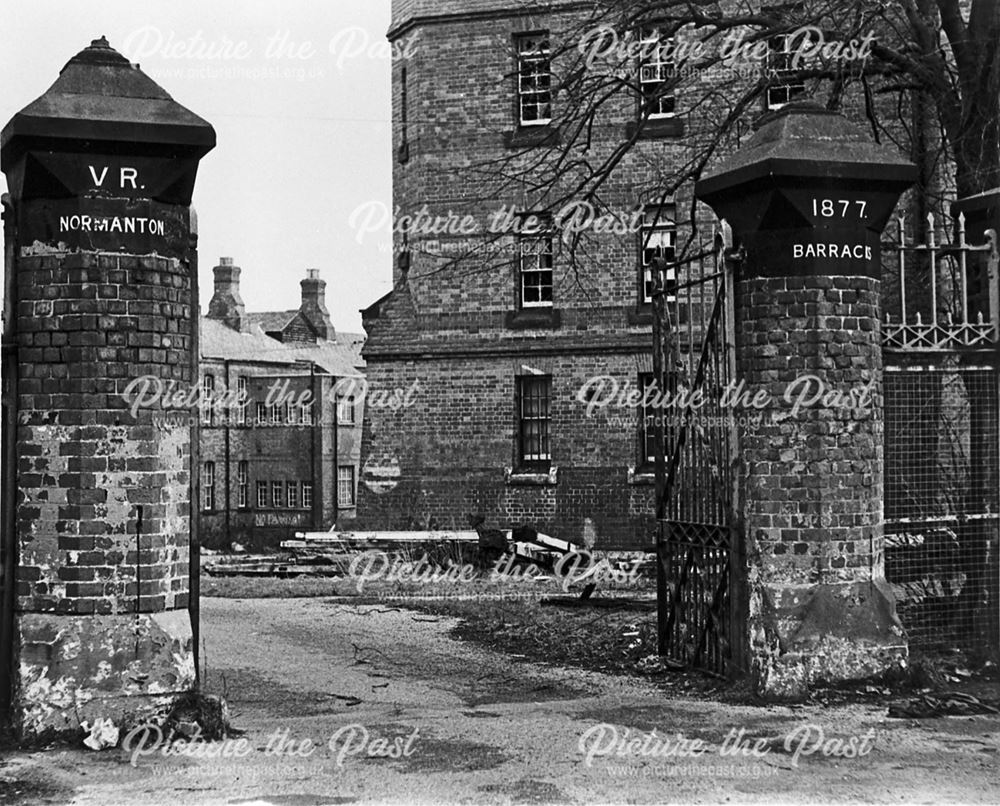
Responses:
[103,104]
[805,139]
[807,146]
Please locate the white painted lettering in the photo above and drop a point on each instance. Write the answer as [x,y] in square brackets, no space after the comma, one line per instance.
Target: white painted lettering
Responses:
[98,181]
[128,175]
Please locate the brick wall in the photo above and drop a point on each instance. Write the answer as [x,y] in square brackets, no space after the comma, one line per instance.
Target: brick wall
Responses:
[89,324]
[814,482]
[274,453]
[297,331]
[451,453]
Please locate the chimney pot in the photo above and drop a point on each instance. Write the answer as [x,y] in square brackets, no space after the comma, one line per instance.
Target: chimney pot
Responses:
[313,306]
[226,304]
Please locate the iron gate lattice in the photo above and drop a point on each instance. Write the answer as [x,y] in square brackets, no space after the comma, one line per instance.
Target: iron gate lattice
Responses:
[942,440]
[698,542]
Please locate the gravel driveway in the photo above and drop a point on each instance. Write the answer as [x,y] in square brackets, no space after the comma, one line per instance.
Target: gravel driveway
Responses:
[362,704]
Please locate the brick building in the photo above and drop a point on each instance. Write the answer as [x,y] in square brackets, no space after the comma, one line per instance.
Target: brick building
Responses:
[503,332]
[285,456]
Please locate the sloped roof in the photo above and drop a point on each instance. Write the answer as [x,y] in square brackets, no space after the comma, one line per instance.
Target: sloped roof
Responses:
[391,321]
[805,139]
[337,359]
[100,95]
[271,321]
[340,358]
[219,341]
[355,341]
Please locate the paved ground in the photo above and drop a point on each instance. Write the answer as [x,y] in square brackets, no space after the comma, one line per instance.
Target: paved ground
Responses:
[397,711]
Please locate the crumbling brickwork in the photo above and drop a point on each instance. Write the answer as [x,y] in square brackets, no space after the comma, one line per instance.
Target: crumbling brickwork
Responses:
[90,324]
[815,485]
[104,263]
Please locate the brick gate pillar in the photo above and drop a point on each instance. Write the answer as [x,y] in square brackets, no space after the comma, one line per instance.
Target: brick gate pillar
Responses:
[101,169]
[808,197]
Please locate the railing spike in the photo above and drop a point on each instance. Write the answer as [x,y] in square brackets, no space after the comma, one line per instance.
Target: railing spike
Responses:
[919,321]
[930,230]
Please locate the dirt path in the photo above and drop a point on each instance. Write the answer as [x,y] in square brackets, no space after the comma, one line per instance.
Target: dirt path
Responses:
[471,726]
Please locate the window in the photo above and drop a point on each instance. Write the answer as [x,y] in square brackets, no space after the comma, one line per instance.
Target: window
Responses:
[205,404]
[242,484]
[261,414]
[533,393]
[647,421]
[656,69]
[277,494]
[345,486]
[307,494]
[291,414]
[242,402]
[261,494]
[208,487]
[345,410]
[785,86]
[534,80]
[307,413]
[535,258]
[276,411]
[658,237]
[292,491]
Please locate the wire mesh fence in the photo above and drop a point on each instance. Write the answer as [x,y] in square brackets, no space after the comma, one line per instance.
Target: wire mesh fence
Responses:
[942,514]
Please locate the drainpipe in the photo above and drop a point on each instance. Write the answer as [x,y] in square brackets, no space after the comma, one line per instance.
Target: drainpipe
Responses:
[316,515]
[227,425]
[336,450]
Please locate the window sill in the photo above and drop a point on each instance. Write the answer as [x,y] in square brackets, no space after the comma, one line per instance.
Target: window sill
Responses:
[302,508]
[655,129]
[530,136]
[518,478]
[533,319]
[642,476]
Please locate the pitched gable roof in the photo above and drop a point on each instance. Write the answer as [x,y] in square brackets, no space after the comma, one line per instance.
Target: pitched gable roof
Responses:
[219,341]
[271,321]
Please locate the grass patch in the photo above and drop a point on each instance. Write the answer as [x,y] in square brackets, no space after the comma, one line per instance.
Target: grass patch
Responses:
[508,616]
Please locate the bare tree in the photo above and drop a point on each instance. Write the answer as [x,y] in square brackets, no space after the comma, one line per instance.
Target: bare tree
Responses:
[925,74]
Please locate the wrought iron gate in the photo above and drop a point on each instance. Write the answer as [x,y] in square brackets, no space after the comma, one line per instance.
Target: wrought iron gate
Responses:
[699,546]
[942,438]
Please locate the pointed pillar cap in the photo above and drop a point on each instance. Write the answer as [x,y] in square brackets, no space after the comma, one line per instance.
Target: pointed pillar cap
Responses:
[99,98]
[805,140]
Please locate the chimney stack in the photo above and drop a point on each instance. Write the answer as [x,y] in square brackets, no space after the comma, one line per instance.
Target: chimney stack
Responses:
[226,304]
[314,305]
